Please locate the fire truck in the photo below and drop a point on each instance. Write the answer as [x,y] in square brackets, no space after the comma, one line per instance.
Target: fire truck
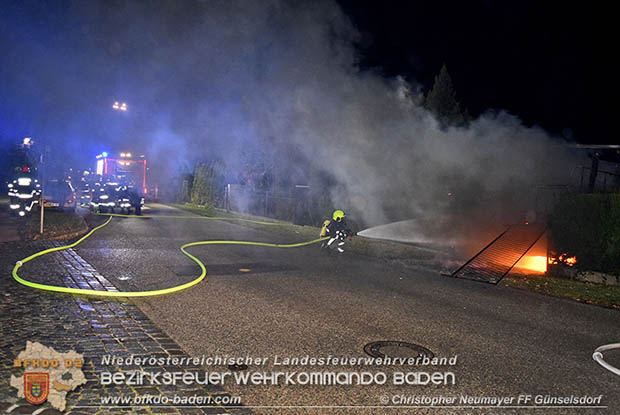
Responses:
[120,182]
[126,168]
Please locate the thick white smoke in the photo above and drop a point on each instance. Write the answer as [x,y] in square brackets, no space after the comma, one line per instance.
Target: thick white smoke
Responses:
[389,155]
[219,78]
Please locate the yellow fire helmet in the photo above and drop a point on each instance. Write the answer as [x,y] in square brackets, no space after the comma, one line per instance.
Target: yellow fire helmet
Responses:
[338,215]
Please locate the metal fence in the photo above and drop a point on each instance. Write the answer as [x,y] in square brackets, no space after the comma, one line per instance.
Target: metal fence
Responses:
[297,204]
[602,181]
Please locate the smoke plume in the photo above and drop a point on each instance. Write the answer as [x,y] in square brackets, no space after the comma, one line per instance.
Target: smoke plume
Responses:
[225,78]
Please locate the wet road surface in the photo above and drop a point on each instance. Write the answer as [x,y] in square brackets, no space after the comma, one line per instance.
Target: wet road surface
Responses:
[298,302]
[91,326]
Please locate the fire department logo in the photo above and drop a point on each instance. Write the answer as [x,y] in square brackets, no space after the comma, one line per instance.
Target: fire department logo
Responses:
[36,387]
[47,375]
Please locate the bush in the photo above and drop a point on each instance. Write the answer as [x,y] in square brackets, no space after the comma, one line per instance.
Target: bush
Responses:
[208,186]
[588,226]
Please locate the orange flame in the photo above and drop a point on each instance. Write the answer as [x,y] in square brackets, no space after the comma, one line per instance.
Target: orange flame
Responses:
[563,259]
[537,264]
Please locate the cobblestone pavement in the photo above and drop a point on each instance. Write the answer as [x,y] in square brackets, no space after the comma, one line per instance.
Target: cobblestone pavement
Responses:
[8,224]
[93,327]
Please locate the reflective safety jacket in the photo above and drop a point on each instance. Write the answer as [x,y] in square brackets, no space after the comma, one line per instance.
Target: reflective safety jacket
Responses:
[330,227]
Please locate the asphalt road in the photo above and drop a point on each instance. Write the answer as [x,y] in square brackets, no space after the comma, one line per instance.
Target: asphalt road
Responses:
[298,302]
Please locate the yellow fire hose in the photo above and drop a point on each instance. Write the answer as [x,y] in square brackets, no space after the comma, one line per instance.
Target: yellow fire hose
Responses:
[153,292]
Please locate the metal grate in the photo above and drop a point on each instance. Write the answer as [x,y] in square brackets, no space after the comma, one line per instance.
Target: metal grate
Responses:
[496,259]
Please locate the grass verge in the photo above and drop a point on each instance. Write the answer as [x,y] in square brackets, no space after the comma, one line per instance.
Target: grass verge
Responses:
[406,253]
[585,292]
[199,209]
[605,296]
[57,225]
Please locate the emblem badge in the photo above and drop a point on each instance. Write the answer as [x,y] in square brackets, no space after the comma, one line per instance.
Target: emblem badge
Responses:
[36,387]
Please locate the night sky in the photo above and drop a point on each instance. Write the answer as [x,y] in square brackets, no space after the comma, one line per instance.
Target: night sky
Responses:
[547,62]
[317,88]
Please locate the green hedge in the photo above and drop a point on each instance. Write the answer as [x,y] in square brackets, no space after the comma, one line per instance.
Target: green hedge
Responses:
[588,226]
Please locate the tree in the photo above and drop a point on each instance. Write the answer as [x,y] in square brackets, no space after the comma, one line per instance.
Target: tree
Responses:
[441,100]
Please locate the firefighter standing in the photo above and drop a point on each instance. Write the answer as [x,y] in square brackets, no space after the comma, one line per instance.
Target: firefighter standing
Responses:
[24,192]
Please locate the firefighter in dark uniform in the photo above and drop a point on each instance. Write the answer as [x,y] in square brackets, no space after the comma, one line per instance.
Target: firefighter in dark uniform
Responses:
[337,230]
[24,192]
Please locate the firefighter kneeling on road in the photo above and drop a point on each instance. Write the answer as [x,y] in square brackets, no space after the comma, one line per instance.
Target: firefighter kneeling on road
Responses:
[337,230]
